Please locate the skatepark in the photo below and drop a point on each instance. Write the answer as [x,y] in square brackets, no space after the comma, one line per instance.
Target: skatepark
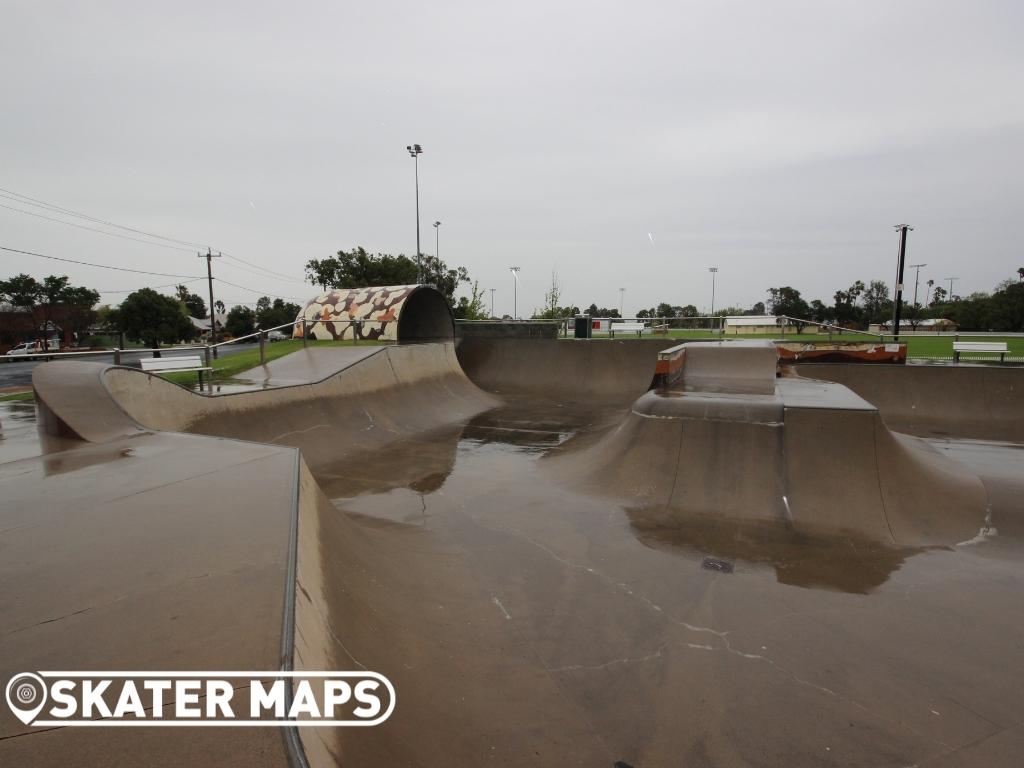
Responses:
[560,552]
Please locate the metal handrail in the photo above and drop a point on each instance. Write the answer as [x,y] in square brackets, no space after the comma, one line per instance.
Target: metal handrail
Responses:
[86,353]
[257,332]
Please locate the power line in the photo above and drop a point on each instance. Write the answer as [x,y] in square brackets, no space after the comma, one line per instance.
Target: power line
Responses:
[25,199]
[257,266]
[101,266]
[262,293]
[155,287]
[87,217]
[93,229]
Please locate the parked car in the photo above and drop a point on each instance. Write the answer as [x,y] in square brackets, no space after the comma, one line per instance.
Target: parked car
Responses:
[276,336]
[33,347]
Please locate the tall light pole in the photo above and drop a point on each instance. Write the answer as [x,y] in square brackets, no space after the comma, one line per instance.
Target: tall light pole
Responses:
[714,272]
[437,240]
[492,302]
[415,150]
[917,278]
[897,304]
[622,300]
[951,279]
[515,291]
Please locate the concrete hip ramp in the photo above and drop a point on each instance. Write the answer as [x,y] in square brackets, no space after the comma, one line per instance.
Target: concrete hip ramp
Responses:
[731,442]
[552,562]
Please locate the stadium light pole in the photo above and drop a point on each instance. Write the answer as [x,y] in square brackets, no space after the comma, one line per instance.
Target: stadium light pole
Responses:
[437,240]
[714,273]
[897,304]
[917,278]
[415,150]
[622,301]
[515,291]
[492,302]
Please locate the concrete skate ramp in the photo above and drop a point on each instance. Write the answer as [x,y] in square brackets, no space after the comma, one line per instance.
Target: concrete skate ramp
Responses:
[578,369]
[392,392]
[812,458]
[307,366]
[983,402]
[524,616]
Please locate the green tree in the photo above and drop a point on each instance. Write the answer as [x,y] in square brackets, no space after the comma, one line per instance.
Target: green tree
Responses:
[271,314]
[241,321]
[788,301]
[877,304]
[595,311]
[153,318]
[471,307]
[360,269]
[436,273]
[40,299]
[79,303]
[1006,308]
[193,302]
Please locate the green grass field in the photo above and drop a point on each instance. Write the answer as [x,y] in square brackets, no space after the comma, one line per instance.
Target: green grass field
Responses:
[917,346]
[16,396]
[226,367]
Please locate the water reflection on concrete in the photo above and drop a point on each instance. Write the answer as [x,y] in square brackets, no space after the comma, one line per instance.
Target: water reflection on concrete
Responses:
[20,437]
[841,563]
[495,455]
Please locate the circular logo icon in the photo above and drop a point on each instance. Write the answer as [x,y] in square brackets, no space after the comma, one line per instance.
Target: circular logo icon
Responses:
[26,695]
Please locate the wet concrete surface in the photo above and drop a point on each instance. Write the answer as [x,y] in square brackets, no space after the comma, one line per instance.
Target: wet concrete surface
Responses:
[127,555]
[801,652]
[524,618]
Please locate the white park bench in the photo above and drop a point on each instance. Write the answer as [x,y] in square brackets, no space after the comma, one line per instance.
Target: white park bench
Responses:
[998,347]
[637,328]
[175,364]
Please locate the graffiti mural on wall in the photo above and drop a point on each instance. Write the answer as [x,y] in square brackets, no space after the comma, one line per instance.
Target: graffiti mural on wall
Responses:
[332,315]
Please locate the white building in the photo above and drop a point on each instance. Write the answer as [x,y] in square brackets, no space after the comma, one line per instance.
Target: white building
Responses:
[769,325]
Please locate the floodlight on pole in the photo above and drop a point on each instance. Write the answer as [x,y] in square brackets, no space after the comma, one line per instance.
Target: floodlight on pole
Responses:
[415,150]
[622,300]
[901,257]
[437,240]
[492,302]
[515,291]
[917,278]
[714,272]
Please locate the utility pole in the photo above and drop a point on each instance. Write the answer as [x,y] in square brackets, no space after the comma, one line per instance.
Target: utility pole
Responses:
[917,278]
[213,313]
[492,302]
[897,305]
[415,150]
[951,279]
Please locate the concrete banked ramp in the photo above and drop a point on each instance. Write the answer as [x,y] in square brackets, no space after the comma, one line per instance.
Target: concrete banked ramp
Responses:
[730,441]
[516,604]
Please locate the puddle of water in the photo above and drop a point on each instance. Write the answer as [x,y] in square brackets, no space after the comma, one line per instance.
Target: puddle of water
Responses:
[19,435]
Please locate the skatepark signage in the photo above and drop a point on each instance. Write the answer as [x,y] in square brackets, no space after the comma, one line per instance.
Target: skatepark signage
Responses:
[257,699]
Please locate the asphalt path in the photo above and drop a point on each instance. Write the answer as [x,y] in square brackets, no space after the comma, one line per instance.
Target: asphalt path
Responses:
[19,373]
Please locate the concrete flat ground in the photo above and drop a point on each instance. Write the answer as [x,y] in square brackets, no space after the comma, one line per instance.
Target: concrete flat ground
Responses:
[526,611]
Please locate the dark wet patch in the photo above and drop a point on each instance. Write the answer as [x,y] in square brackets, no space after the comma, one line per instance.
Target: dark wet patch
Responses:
[841,563]
[714,564]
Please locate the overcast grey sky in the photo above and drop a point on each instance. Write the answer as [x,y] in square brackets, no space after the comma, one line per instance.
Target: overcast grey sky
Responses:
[779,141]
